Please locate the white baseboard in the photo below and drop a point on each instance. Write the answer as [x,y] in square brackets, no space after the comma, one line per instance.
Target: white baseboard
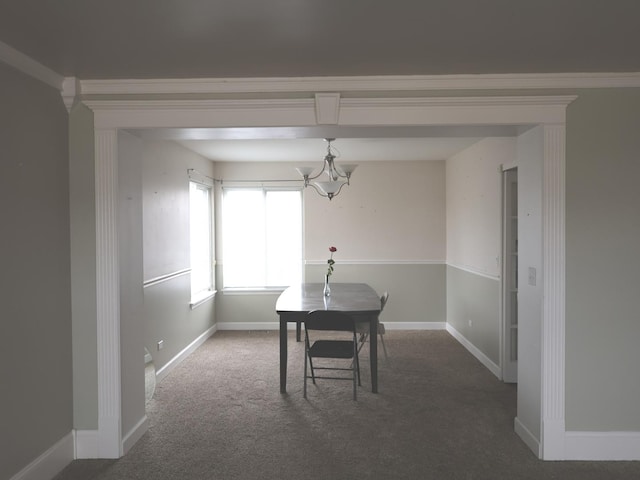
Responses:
[135,434]
[175,361]
[414,325]
[50,463]
[602,446]
[292,326]
[253,326]
[486,361]
[527,437]
[86,443]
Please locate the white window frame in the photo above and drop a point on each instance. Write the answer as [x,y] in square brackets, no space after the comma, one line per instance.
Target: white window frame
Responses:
[207,290]
[261,288]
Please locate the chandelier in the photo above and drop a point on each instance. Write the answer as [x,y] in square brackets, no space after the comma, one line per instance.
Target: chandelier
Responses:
[337,177]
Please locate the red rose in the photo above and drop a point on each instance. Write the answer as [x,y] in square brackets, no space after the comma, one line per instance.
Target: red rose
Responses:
[333,249]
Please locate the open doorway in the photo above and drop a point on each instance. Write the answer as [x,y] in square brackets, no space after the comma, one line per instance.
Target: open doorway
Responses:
[543,425]
[510,274]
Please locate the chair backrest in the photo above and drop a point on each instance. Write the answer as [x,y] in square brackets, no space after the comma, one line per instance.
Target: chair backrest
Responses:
[383,300]
[329,320]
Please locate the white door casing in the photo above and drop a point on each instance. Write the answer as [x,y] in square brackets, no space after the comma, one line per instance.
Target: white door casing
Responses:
[548,111]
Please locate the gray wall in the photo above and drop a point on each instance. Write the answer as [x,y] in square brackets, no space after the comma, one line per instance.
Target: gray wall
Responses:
[131,294]
[474,226]
[35,329]
[603,261]
[163,249]
[473,309]
[416,294]
[83,267]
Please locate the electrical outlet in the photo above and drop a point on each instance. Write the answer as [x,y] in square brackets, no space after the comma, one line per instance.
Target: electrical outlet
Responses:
[471,323]
[160,344]
[532,276]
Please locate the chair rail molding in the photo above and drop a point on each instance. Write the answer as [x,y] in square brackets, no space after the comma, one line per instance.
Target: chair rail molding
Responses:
[109,116]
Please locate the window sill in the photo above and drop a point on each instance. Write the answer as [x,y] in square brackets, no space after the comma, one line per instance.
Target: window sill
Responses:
[254,291]
[201,298]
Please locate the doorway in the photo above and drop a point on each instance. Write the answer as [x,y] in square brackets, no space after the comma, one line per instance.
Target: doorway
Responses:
[510,274]
[542,427]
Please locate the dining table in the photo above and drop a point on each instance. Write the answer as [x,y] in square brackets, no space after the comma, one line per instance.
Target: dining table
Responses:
[358,300]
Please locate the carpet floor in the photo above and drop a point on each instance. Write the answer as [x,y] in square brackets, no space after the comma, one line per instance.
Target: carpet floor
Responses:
[439,414]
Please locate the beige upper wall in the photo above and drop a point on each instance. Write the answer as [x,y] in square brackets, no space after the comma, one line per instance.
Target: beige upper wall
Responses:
[392,211]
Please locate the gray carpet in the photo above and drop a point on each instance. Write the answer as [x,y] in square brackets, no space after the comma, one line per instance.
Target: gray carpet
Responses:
[439,415]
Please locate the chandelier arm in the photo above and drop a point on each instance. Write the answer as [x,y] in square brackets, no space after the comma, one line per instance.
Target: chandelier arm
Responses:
[342,185]
[324,169]
[333,171]
[318,191]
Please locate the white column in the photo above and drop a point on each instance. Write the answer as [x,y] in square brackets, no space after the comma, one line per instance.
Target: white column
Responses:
[553,308]
[108,294]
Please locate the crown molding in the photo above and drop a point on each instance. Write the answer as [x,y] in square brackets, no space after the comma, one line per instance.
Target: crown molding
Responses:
[28,66]
[360,84]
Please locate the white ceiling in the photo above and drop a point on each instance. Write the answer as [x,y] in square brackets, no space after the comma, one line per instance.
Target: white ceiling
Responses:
[92,39]
[348,150]
[306,144]
[275,38]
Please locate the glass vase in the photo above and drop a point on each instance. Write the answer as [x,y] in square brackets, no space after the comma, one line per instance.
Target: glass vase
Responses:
[327,287]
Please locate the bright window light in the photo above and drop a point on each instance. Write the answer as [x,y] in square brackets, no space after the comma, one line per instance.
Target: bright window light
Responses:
[201,239]
[262,237]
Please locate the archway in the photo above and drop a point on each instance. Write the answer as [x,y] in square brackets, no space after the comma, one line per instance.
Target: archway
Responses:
[548,112]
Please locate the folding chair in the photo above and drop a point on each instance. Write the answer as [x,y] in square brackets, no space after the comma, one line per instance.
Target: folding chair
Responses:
[362,328]
[330,321]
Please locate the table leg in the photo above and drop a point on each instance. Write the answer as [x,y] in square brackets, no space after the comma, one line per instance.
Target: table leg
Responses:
[283,355]
[373,352]
[298,330]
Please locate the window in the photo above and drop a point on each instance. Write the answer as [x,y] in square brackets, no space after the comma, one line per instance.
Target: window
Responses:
[262,237]
[201,241]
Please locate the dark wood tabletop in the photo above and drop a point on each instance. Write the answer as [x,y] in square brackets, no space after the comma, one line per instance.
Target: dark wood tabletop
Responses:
[345,297]
[357,299]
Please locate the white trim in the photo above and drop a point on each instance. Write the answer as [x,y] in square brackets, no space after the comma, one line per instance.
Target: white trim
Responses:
[165,278]
[474,271]
[50,463]
[135,434]
[503,110]
[29,66]
[482,358]
[414,325]
[243,326]
[379,83]
[86,444]
[201,113]
[188,350]
[602,446]
[108,294]
[443,111]
[70,91]
[201,298]
[424,111]
[553,298]
[327,108]
[527,437]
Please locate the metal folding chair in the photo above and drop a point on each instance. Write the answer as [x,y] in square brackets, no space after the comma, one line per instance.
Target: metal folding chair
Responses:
[330,321]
